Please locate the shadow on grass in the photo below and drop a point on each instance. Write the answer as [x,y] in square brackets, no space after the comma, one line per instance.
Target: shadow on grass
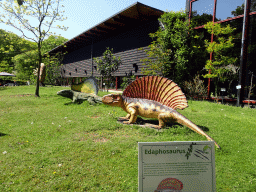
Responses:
[151,123]
[74,103]
[154,122]
[2,134]
[79,102]
[141,121]
[2,88]
[205,129]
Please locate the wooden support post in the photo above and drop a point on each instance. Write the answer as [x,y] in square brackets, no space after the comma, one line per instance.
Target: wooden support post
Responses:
[190,10]
[211,54]
[243,58]
[101,82]
[91,56]
[116,83]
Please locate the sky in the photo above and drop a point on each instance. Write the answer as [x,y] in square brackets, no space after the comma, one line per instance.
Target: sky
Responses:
[84,14]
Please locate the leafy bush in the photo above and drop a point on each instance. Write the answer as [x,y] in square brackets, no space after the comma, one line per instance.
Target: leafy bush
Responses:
[195,88]
[127,81]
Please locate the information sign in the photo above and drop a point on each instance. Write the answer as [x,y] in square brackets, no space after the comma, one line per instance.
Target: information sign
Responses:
[177,166]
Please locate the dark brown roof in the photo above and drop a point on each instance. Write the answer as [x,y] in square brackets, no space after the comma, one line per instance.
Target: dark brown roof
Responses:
[135,15]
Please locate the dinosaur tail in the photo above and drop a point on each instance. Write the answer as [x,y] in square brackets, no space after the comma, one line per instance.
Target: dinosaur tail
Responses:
[184,121]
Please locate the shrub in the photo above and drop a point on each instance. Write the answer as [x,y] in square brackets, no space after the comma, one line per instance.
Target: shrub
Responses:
[195,88]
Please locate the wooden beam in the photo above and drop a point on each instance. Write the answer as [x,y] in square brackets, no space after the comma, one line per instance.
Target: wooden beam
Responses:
[91,33]
[110,25]
[116,83]
[100,30]
[123,19]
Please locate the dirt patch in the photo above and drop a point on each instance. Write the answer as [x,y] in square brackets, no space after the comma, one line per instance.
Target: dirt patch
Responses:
[143,123]
[95,117]
[24,95]
[101,140]
[103,137]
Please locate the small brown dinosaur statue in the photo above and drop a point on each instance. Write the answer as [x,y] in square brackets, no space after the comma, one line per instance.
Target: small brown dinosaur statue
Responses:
[153,97]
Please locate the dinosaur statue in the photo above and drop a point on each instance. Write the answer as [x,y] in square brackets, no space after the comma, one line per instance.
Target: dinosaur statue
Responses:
[42,74]
[88,86]
[79,96]
[86,90]
[153,97]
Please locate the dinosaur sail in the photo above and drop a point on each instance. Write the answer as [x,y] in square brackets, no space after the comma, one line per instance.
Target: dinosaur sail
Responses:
[159,89]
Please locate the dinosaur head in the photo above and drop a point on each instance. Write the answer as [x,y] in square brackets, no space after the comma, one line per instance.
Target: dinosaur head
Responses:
[112,99]
[66,93]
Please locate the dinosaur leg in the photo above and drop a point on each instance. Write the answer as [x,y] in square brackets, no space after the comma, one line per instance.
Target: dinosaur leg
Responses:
[161,119]
[133,116]
[125,118]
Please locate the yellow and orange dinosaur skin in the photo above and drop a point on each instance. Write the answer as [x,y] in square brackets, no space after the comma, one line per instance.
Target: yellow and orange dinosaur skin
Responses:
[150,109]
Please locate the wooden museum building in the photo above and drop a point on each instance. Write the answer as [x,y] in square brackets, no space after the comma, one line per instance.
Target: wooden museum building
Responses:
[127,32]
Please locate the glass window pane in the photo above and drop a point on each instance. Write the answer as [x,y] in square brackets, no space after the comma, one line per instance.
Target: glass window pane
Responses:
[251,64]
[229,8]
[253,6]
[202,11]
[203,6]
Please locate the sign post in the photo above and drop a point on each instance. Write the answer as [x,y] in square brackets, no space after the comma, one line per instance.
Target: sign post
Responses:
[177,166]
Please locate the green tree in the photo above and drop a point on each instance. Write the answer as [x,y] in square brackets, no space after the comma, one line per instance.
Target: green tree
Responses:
[53,64]
[219,66]
[127,80]
[26,62]
[198,20]
[108,64]
[240,9]
[171,50]
[20,2]
[10,46]
[46,12]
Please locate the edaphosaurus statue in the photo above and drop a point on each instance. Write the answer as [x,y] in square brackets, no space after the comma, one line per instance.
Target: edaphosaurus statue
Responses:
[153,97]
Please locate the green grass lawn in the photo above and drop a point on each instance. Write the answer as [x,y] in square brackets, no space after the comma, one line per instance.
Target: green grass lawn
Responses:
[50,144]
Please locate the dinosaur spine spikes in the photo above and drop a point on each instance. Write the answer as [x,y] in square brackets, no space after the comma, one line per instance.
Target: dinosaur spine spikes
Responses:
[159,89]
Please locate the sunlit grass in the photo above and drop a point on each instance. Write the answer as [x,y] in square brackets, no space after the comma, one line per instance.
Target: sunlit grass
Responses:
[50,144]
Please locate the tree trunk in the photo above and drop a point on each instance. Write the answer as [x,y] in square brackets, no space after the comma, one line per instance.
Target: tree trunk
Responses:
[250,90]
[216,89]
[39,67]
